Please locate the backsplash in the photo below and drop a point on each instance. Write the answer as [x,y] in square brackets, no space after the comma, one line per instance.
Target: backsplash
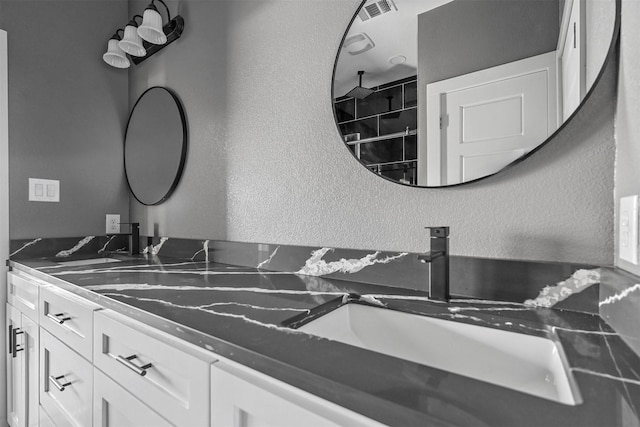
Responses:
[612,293]
[67,246]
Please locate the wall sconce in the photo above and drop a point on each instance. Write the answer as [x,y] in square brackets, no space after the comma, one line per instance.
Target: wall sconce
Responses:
[139,42]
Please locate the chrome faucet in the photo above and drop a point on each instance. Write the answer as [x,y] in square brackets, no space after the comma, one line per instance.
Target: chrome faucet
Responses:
[438,258]
[134,237]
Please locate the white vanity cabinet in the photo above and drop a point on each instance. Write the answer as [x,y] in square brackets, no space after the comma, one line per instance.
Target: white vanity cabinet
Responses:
[167,374]
[66,383]
[66,371]
[114,406]
[22,349]
[78,364]
[242,397]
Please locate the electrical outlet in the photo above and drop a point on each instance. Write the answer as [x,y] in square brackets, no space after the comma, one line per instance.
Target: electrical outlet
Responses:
[113,223]
[628,239]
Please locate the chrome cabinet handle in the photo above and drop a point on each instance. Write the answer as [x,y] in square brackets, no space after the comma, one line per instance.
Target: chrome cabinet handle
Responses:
[10,335]
[55,381]
[126,361]
[56,318]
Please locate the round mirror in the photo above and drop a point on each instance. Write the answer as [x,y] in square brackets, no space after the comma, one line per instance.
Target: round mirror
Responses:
[443,92]
[155,145]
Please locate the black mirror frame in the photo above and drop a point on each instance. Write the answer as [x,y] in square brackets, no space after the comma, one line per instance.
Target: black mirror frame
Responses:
[183,154]
[611,53]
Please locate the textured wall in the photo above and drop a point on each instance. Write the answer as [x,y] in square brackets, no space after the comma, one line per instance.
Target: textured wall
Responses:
[266,163]
[627,179]
[67,113]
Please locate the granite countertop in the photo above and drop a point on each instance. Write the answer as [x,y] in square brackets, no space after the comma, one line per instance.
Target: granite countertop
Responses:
[238,312]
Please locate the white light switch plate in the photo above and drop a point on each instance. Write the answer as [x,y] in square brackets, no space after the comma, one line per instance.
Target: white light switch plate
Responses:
[628,239]
[44,190]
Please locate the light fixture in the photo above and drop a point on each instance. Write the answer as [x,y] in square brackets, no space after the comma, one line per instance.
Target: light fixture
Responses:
[131,42]
[142,41]
[151,27]
[115,56]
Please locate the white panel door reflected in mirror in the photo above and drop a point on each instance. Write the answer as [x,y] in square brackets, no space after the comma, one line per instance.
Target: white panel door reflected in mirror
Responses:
[443,92]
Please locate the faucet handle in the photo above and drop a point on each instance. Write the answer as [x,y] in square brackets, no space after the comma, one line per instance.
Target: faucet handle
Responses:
[439,231]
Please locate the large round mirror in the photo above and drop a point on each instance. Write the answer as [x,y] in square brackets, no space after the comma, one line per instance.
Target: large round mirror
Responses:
[155,145]
[443,92]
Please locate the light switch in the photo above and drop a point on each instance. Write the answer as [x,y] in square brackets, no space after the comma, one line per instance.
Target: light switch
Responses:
[628,229]
[44,190]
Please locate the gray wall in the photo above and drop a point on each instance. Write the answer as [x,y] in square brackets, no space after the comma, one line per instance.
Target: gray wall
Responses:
[627,125]
[266,163]
[67,113]
[466,36]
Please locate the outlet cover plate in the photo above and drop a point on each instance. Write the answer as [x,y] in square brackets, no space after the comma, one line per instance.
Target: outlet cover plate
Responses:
[628,238]
[113,224]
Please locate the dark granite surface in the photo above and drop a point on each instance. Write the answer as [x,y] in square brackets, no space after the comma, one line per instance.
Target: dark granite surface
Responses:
[237,311]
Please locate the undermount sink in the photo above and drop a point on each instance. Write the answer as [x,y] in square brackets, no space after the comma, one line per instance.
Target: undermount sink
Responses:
[80,262]
[525,363]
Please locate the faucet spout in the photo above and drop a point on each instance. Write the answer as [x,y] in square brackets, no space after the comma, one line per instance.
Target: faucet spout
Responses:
[438,258]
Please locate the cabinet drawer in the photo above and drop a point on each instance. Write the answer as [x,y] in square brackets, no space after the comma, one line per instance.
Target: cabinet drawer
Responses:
[113,406]
[66,383]
[23,293]
[243,397]
[45,419]
[69,318]
[157,368]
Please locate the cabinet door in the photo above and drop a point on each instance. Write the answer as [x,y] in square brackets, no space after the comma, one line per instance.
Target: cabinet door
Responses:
[242,397]
[22,369]
[16,388]
[66,383]
[113,406]
[31,365]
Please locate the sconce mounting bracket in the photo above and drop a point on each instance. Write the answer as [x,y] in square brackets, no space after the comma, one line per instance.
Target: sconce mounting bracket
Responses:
[173,30]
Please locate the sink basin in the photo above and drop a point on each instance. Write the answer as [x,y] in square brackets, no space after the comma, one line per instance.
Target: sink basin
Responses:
[80,262]
[525,363]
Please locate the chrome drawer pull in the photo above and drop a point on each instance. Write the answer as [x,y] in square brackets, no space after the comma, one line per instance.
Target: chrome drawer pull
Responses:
[56,318]
[54,380]
[126,361]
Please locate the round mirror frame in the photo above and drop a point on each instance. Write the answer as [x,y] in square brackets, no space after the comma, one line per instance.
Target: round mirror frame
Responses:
[183,150]
[608,57]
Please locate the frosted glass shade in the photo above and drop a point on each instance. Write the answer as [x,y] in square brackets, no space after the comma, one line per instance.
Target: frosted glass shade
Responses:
[116,56]
[151,27]
[132,43]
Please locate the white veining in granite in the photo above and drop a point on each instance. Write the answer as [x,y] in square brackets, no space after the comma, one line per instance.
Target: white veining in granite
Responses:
[205,309]
[104,248]
[146,287]
[256,307]
[74,249]
[620,295]
[316,266]
[551,295]
[615,364]
[603,375]
[459,309]
[205,249]
[268,260]
[176,272]
[154,249]
[26,245]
